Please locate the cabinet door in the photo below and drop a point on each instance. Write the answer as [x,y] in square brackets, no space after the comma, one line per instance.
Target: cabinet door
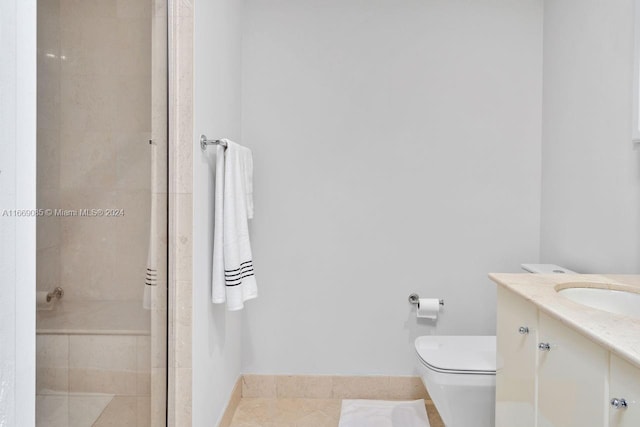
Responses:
[515,376]
[624,383]
[571,378]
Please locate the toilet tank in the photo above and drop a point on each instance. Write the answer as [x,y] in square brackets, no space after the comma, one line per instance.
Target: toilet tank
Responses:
[546,269]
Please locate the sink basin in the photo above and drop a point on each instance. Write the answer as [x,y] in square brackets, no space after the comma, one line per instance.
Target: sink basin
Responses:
[613,301]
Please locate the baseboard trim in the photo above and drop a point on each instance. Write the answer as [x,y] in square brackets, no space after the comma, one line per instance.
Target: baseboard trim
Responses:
[333,387]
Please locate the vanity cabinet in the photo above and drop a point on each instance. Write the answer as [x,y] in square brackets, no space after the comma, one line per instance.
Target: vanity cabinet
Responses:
[572,377]
[569,383]
[624,386]
[516,364]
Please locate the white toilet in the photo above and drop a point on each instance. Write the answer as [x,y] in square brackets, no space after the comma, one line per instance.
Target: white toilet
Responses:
[459,372]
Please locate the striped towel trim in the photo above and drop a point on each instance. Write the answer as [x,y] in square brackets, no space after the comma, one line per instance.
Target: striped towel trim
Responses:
[151,277]
[234,277]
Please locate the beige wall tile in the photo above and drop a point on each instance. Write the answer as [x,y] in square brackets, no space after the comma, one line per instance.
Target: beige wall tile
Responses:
[360,387]
[52,380]
[85,409]
[92,380]
[48,85]
[48,227]
[88,46]
[158,355]
[143,384]
[183,205]
[103,363]
[103,352]
[259,386]
[160,9]
[87,271]
[90,103]
[134,48]
[48,231]
[131,233]
[143,410]
[122,411]
[48,159]
[87,158]
[183,397]
[183,325]
[182,148]
[304,386]
[133,164]
[158,393]
[143,365]
[51,411]
[133,109]
[77,10]
[180,181]
[47,268]
[133,9]
[52,363]
[183,270]
[48,24]
[91,247]
[184,8]
[172,398]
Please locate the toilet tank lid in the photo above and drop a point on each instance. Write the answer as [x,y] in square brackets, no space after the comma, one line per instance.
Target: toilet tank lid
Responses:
[546,269]
[458,353]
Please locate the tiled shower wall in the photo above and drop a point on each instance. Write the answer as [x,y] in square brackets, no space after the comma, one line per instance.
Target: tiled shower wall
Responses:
[94,124]
[97,380]
[102,96]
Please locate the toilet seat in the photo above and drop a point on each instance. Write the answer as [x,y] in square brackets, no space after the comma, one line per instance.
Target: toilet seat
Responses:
[468,355]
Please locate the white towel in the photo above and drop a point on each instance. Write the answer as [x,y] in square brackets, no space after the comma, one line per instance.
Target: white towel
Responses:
[151,277]
[381,413]
[233,279]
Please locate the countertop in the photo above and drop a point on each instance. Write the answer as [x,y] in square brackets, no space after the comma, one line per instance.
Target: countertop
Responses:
[617,333]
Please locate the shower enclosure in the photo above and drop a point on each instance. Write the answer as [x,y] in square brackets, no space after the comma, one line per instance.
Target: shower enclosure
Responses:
[102,213]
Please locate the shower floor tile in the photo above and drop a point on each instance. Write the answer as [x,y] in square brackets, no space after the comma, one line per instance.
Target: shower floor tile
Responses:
[281,412]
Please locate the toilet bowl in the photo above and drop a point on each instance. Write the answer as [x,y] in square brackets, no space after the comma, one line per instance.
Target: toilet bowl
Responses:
[459,373]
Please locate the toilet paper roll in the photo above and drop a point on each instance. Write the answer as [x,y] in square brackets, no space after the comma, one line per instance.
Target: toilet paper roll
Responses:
[41,301]
[428,308]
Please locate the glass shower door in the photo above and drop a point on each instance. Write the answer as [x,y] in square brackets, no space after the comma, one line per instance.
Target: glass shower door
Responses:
[102,221]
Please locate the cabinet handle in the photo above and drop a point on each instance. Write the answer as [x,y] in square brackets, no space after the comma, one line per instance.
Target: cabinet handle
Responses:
[544,346]
[619,403]
[523,330]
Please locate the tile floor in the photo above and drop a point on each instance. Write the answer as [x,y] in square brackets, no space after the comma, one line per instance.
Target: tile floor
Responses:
[290,412]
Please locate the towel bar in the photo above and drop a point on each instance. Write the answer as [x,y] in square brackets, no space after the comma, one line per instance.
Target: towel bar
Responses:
[204,142]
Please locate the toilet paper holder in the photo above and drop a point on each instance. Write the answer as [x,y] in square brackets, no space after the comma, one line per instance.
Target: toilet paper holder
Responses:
[415,299]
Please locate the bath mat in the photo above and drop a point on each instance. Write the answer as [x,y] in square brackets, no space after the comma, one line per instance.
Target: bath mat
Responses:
[383,413]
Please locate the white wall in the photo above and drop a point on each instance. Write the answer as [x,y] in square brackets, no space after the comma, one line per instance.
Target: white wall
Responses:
[397,150]
[590,173]
[17,191]
[217,334]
